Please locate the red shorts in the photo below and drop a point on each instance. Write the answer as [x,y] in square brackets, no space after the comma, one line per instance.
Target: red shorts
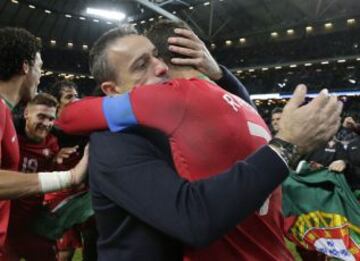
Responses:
[70,240]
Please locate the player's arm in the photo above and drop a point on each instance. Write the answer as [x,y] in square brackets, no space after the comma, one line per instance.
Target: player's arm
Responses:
[231,83]
[82,117]
[158,106]
[16,184]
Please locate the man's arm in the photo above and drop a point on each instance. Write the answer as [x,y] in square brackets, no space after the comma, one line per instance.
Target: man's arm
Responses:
[132,172]
[159,106]
[16,184]
[229,82]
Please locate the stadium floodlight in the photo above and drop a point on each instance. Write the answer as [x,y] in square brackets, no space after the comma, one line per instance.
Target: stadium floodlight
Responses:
[328,25]
[309,29]
[352,81]
[351,21]
[112,15]
[290,31]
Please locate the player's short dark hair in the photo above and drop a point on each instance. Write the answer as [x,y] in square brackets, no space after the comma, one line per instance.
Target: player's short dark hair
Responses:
[276,110]
[16,47]
[159,34]
[100,68]
[44,99]
[58,87]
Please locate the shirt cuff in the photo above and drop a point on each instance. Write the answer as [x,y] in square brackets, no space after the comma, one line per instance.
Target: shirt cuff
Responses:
[279,154]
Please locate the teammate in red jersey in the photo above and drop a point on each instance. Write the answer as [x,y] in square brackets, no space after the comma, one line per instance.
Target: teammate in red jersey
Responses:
[38,151]
[66,92]
[20,71]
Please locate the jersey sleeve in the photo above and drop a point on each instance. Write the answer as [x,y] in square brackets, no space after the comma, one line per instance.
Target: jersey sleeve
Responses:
[83,117]
[10,147]
[159,106]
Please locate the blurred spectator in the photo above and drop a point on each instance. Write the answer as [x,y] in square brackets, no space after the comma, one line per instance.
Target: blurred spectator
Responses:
[275,118]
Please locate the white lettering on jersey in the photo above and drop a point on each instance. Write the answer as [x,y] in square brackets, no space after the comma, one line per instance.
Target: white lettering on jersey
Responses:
[236,102]
[258,131]
[230,99]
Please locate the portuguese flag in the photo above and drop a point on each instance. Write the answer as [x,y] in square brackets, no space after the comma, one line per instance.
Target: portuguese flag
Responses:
[322,213]
[73,210]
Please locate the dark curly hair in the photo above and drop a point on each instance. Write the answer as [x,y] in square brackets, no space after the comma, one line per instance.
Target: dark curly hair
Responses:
[58,87]
[16,46]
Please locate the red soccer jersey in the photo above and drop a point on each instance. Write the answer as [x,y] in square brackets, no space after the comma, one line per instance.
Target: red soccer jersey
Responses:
[209,130]
[9,159]
[34,157]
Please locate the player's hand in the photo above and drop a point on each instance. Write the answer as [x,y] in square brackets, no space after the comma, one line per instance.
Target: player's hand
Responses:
[349,123]
[187,43]
[65,153]
[315,165]
[337,166]
[78,173]
[310,125]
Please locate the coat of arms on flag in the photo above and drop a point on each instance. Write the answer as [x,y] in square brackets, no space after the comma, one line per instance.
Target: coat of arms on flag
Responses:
[322,213]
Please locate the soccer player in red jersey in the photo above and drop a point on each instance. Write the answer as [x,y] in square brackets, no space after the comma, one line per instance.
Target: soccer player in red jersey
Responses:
[65,92]
[20,71]
[38,151]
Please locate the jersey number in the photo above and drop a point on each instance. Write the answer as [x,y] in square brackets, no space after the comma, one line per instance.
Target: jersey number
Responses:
[29,165]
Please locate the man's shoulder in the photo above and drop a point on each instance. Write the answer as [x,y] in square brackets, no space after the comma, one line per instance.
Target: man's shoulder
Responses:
[129,143]
[134,138]
[122,137]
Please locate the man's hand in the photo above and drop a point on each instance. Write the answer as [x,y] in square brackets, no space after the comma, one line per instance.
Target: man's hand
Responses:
[64,153]
[78,173]
[315,165]
[349,123]
[310,125]
[337,166]
[188,44]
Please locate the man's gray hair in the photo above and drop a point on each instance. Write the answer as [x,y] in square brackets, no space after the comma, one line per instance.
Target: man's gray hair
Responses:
[100,67]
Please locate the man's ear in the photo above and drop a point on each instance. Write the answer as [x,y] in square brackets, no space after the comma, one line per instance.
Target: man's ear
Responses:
[25,67]
[26,112]
[109,88]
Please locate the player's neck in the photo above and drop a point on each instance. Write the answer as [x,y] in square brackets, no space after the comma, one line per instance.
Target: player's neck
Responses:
[186,72]
[11,90]
[31,137]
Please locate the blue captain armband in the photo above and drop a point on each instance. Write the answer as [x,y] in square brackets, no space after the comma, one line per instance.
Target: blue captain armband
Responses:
[118,112]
